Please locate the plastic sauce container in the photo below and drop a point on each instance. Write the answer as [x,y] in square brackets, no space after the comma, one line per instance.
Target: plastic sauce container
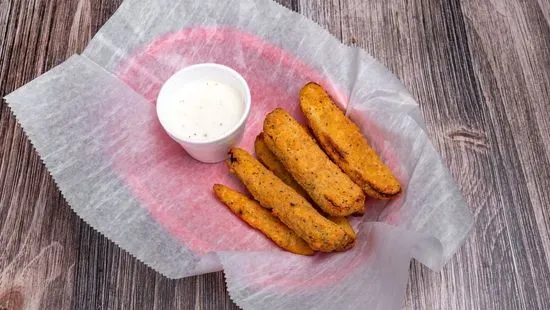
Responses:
[204,108]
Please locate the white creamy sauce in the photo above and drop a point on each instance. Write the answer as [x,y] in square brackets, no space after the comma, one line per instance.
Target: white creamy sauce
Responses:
[204,110]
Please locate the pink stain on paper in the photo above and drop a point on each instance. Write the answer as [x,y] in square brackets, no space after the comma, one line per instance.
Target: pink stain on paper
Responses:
[185,205]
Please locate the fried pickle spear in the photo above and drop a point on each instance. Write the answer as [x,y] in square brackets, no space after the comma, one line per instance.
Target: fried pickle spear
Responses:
[256,216]
[291,208]
[266,157]
[345,144]
[326,184]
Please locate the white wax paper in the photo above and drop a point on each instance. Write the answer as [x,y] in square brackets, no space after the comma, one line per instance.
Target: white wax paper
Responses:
[92,120]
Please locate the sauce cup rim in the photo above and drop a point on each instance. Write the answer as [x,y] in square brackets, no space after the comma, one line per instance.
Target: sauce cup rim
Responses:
[242,120]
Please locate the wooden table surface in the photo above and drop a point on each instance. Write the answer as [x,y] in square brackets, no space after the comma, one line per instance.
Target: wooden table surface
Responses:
[480,70]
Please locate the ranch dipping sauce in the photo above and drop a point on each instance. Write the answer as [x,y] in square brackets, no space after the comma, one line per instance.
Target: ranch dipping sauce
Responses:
[203,110]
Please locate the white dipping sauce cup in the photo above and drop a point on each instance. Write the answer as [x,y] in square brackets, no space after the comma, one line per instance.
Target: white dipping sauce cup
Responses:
[210,151]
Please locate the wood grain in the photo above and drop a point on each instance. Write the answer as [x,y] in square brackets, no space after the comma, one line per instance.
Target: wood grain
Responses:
[479,70]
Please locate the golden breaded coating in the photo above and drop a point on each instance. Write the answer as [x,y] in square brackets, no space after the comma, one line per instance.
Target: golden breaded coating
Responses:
[291,208]
[344,223]
[266,157]
[326,184]
[345,144]
[256,216]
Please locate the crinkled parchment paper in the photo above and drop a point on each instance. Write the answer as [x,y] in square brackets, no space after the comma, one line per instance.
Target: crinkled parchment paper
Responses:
[92,120]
